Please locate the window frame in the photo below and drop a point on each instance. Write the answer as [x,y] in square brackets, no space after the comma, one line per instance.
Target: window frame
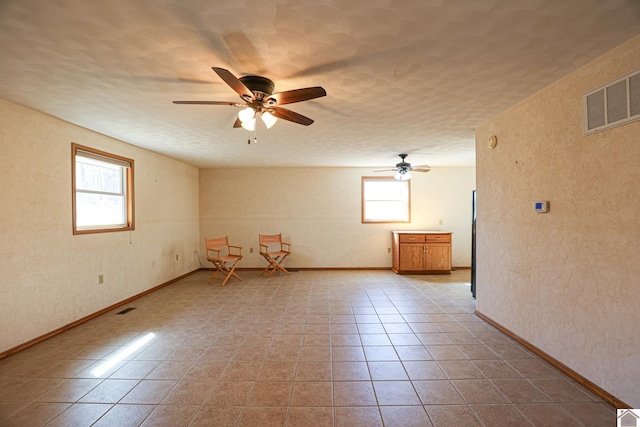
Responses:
[388,179]
[128,164]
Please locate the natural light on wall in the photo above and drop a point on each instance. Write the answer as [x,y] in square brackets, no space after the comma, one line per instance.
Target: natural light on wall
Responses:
[385,199]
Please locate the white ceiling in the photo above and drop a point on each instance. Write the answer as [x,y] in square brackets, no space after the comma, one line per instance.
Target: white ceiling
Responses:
[414,76]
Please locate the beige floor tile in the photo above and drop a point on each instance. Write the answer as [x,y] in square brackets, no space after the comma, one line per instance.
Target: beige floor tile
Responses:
[395,393]
[36,414]
[353,393]
[452,415]
[445,352]
[149,392]
[31,389]
[497,369]
[591,414]
[358,417]
[405,416]
[387,371]
[479,391]
[500,415]
[547,415]
[521,391]
[310,394]
[80,414]
[188,393]
[438,392]
[385,353]
[310,417]
[561,390]
[350,371]
[109,391]
[219,416]
[460,369]
[263,417]
[170,416]
[271,394]
[348,354]
[313,371]
[424,370]
[123,415]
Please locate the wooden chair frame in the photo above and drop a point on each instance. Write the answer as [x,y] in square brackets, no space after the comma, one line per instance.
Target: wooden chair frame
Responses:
[274,258]
[225,264]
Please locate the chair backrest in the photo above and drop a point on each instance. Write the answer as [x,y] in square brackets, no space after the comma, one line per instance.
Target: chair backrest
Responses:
[267,239]
[217,242]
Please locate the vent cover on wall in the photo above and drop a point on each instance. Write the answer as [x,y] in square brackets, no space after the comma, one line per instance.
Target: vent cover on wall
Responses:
[613,104]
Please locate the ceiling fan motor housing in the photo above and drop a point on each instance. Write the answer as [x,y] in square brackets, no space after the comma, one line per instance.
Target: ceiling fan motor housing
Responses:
[262,87]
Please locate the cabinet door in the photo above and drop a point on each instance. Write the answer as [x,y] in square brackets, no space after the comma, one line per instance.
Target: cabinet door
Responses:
[412,256]
[438,256]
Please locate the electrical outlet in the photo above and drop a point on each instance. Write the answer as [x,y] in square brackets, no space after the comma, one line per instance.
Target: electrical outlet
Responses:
[440,222]
[177,257]
[388,250]
[100,279]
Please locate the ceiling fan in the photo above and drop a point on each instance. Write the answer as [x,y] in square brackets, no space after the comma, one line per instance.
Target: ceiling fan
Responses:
[403,169]
[259,99]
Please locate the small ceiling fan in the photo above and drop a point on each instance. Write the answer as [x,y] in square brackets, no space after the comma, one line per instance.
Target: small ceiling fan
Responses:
[403,169]
[259,99]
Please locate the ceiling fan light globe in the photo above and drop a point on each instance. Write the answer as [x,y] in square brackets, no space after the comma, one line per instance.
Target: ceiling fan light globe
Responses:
[402,176]
[269,119]
[249,125]
[246,115]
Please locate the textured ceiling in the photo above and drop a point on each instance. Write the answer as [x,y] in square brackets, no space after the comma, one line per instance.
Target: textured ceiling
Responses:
[414,76]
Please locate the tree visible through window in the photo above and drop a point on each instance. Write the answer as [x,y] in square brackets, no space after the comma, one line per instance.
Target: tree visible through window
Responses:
[102,191]
[385,199]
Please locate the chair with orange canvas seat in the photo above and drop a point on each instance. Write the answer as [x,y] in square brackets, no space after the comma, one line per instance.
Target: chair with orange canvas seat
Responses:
[224,257]
[274,250]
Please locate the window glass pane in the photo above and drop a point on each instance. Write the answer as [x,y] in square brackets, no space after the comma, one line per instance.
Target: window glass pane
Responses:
[384,190]
[94,175]
[385,200]
[99,209]
[386,211]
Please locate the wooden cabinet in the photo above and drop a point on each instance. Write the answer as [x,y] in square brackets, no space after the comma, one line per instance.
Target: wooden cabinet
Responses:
[421,252]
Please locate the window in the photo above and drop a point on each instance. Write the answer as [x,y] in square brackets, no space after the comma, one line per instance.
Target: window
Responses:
[385,199]
[102,191]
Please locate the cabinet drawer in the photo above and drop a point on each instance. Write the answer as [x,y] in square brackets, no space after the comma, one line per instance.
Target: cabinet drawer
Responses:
[412,238]
[444,238]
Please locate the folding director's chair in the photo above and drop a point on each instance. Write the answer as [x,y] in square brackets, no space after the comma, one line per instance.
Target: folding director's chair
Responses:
[274,250]
[224,264]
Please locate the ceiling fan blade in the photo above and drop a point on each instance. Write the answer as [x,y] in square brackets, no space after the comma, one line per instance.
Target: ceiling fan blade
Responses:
[422,168]
[298,95]
[283,113]
[238,123]
[233,104]
[387,170]
[234,83]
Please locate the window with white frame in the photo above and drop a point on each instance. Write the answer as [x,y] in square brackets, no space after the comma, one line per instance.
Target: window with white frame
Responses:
[102,191]
[385,199]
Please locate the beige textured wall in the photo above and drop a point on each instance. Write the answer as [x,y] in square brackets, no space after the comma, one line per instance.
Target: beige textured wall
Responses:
[567,281]
[48,276]
[319,211]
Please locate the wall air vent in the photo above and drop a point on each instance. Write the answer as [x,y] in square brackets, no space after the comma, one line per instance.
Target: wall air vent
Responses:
[613,104]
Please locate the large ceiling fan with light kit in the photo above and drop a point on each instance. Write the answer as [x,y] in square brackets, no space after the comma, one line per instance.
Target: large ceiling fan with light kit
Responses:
[259,100]
[403,169]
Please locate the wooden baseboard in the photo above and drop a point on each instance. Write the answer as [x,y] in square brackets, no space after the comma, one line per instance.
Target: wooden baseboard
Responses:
[62,329]
[593,388]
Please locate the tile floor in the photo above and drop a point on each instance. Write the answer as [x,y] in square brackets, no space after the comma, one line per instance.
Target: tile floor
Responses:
[316,348]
